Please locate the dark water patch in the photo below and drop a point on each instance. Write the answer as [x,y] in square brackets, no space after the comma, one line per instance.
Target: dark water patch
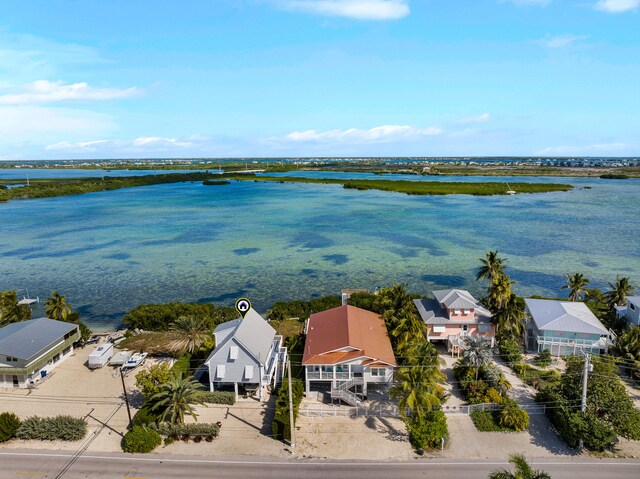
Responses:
[590,263]
[117,256]
[530,247]
[73,251]
[409,242]
[406,252]
[245,251]
[337,259]
[309,272]
[22,251]
[311,240]
[133,263]
[225,298]
[543,281]
[445,280]
[196,236]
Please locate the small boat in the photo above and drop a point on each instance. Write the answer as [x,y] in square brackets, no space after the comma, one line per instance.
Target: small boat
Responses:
[134,361]
[510,191]
[121,358]
[93,339]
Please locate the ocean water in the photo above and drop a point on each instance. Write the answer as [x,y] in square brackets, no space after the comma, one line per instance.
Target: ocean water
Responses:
[111,251]
[33,173]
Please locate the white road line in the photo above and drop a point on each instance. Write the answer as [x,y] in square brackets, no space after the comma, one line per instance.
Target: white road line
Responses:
[315,463]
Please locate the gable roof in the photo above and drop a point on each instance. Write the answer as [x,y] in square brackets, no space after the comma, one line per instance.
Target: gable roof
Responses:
[569,316]
[633,299]
[432,312]
[252,332]
[455,299]
[343,327]
[26,339]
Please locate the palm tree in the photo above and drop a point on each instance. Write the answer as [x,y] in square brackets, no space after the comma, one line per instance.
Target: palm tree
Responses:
[417,389]
[408,329]
[56,307]
[476,352]
[628,344]
[500,291]
[510,318]
[522,470]
[577,283]
[10,310]
[492,267]
[619,291]
[193,333]
[175,399]
[421,353]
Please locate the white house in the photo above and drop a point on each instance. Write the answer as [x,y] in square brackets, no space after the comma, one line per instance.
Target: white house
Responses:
[29,350]
[248,352]
[630,312]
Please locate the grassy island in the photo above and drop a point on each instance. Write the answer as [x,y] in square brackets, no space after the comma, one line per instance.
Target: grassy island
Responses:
[418,187]
[47,188]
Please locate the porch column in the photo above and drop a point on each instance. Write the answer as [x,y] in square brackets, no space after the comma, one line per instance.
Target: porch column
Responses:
[210,385]
[334,375]
[235,388]
[306,381]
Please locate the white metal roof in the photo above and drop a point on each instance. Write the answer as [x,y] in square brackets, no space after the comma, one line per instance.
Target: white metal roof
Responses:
[569,316]
[25,339]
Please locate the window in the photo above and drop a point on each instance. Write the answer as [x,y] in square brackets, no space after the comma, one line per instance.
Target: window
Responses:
[248,372]
[327,369]
[11,359]
[221,371]
[632,306]
[439,329]
[456,312]
[467,311]
[66,350]
[484,328]
[378,372]
[465,328]
[233,353]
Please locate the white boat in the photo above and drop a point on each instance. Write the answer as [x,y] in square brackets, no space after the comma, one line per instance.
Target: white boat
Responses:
[510,191]
[121,358]
[134,361]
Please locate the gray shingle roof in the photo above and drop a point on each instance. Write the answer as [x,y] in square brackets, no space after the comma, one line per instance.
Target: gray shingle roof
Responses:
[432,312]
[573,317]
[27,338]
[253,333]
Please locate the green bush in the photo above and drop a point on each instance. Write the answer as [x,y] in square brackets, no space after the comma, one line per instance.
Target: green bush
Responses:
[219,397]
[141,439]
[510,350]
[185,431]
[281,422]
[144,417]
[514,418]
[283,310]
[487,421]
[181,368]
[65,428]
[427,432]
[9,424]
[543,359]
[158,317]
[150,380]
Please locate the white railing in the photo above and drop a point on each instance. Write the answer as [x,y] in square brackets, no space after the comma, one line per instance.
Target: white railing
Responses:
[578,342]
[328,375]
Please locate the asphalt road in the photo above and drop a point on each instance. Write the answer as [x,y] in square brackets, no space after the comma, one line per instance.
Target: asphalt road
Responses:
[34,464]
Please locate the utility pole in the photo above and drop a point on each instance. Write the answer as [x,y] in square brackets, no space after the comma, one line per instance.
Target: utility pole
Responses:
[126,398]
[585,380]
[293,439]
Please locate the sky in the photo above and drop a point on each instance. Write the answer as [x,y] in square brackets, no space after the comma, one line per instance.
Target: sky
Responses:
[282,78]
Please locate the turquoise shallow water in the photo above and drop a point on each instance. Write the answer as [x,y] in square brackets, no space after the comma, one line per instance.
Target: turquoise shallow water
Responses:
[111,251]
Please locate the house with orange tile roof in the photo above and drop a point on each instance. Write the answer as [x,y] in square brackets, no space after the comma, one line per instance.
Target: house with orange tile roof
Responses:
[347,349]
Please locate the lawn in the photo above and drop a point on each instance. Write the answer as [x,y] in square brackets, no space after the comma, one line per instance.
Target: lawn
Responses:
[152,342]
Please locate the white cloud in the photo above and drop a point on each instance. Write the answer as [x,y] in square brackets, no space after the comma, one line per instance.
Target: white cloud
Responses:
[44,91]
[559,41]
[599,148]
[140,144]
[79,146]
[160,142]
[617,6]
[357,9]
[476,119]
[382,133]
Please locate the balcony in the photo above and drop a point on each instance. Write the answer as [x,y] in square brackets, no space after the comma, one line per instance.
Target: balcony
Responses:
[601,343]
[328,376]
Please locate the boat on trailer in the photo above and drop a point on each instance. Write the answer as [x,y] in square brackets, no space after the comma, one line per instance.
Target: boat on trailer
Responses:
[134,361]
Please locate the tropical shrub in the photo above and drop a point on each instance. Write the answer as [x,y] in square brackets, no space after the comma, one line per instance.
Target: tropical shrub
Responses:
[65,428]
[426,431]
[150,380]
[9,424]
[141,439]
[486,421]
[543,359]
[159,317]
[514,418]
[186,431]
[283,310]
[510,350]
[281,422]
[181,368]
[144,417]
[219,397]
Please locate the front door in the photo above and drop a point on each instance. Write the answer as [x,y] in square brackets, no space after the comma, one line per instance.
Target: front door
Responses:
[465,330]
[16,383]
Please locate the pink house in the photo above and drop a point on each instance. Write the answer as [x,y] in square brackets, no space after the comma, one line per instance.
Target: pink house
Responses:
[453,315]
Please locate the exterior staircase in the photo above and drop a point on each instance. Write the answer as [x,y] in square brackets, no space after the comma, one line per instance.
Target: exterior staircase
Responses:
[343,391]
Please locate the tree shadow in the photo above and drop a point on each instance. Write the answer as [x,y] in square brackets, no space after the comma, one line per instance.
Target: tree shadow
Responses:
[543,434]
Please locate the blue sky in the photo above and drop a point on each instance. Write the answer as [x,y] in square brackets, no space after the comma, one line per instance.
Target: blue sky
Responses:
[228,78]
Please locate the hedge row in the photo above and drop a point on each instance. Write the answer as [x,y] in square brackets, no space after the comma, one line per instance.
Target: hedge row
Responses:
[9,425]
[219,397]
[281,422]
[66,428]
[427,431]
[185,431]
